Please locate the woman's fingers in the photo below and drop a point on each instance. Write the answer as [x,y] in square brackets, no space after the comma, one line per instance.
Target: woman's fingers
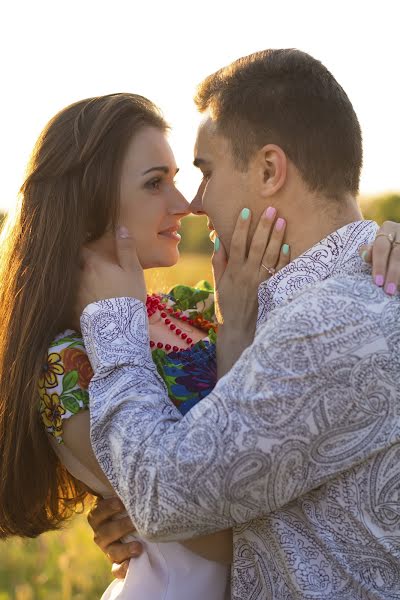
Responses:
[284,257]
[365,252]
[380,258]
[238,249]
[267,243]
[261,238]
[273,250]
[392,282]
[218,261]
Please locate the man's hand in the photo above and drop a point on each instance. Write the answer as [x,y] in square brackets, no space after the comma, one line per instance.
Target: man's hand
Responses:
[108,529]
[385,257]
[101,279]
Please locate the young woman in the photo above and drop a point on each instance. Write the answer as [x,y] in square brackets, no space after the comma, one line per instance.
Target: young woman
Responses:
[97,163]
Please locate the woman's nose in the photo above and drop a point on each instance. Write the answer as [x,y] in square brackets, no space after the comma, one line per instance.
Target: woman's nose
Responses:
[181,206]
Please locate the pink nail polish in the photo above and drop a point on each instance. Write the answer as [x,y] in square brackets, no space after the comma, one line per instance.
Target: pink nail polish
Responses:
[391,289]
[123,233]
[280,224]
[379,280]
[270,212]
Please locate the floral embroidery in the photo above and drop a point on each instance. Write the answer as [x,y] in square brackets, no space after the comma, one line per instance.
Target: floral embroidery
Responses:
[52,412]
[189,375]
[66,394]
[75,359]
[51,369]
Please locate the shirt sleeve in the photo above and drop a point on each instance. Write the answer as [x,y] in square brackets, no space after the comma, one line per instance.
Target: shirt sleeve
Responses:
[63,383]
[315,394]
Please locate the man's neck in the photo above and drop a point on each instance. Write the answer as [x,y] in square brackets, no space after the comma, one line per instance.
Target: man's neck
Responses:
[312,225]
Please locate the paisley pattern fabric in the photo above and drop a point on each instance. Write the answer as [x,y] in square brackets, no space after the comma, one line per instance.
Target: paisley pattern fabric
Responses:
[189,374]
[297,447]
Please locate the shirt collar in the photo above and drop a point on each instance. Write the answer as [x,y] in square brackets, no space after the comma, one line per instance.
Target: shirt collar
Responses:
[337,253]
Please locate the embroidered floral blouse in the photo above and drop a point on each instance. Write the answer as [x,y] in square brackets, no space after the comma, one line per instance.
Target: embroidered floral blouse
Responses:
[189,374]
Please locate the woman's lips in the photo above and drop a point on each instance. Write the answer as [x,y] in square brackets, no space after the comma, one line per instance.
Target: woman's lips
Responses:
[171,233]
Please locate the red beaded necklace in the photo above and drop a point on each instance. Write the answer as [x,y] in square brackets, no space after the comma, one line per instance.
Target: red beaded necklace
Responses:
[154,303]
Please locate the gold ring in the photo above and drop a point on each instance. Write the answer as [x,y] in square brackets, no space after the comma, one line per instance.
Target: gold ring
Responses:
[389,236]
[270,270]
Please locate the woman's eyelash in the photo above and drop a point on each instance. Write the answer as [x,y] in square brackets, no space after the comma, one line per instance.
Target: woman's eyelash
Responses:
[154,183]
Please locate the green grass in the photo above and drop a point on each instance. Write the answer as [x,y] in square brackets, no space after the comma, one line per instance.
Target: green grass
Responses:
[67,565]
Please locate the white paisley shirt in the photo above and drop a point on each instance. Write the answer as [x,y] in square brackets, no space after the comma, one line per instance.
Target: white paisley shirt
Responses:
[298,446]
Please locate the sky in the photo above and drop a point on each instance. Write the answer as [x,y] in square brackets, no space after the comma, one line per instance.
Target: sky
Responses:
[54,53]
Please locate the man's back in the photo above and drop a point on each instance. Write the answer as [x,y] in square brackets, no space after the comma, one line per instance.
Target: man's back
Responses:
[336,423]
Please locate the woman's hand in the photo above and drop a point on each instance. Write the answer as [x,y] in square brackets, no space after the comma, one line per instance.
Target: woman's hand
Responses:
[101,279]
[236,281]
[384,255]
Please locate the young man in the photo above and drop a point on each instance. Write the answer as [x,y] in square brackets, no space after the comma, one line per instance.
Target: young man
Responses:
[297,447]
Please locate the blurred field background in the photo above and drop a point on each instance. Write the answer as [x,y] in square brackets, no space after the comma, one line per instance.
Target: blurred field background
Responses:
[67,565]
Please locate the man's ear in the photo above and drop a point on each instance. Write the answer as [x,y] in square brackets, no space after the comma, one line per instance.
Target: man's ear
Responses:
[272,168]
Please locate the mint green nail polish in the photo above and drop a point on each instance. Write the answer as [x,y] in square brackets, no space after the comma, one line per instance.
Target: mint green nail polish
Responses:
[364,254]
[245,214]
[285,249]
[216,244]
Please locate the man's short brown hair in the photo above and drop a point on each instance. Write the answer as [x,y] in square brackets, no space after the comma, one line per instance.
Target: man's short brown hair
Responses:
[287,97]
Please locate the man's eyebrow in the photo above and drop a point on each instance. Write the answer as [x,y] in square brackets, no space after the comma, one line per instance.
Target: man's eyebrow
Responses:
[162,168]
[199,162]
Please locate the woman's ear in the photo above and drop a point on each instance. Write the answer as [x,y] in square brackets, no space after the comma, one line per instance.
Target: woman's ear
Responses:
[272,167]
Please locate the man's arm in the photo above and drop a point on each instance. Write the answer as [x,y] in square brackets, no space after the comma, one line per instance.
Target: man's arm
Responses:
[313,396]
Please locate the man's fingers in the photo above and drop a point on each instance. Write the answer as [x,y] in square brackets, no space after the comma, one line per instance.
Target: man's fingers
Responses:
[112,531]
[126,250]
[103,510]
[120,571]
[119,552]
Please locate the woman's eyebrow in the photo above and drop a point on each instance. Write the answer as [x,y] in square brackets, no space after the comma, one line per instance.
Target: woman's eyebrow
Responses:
[163,168]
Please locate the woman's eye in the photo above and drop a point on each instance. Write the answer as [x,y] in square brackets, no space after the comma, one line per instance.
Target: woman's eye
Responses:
[154,184]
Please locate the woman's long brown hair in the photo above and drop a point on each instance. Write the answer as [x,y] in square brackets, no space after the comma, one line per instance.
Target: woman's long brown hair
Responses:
[70,195]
